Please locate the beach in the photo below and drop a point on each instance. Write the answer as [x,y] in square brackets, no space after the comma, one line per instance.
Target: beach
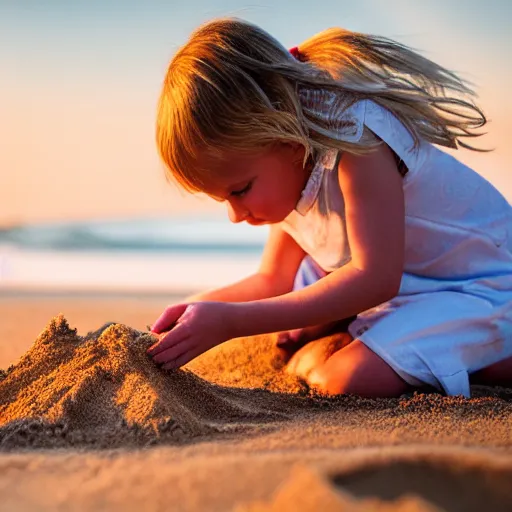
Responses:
[96,240]
[230,432]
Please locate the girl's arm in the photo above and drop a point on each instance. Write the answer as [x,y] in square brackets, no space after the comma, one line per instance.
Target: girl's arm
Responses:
[279,264]
[374,209]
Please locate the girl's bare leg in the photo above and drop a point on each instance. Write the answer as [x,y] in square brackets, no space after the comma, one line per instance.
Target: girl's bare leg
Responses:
[357,370]
[316,353]
[352,369]
[498,374]
[340,366]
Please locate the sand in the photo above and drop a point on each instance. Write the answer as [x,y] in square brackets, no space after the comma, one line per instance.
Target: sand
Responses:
[92,419]
[102,390]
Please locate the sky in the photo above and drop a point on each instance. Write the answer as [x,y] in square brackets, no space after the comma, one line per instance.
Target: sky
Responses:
[80,81]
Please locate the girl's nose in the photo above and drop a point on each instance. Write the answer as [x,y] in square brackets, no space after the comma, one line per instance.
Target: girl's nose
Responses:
[236,214]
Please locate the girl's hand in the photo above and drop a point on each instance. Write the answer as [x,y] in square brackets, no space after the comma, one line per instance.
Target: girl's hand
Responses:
[187,330]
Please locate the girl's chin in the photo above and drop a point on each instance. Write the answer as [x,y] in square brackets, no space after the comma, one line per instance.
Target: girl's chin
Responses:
[256,222]
[253,221]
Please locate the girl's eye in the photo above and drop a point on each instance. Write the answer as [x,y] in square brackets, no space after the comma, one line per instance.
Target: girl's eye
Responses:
[243,191]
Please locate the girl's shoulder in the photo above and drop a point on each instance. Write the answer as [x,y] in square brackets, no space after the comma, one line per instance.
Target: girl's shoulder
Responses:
[364,121]
[353,120]
[344,117]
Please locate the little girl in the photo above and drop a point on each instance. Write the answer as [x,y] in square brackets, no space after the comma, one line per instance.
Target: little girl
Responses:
[334,144]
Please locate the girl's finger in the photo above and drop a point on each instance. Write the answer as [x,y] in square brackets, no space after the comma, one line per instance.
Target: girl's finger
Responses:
[168,340]
[169,317]
[182,359]
[169,355]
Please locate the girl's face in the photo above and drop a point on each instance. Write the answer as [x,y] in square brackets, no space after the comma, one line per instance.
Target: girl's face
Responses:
[263,188]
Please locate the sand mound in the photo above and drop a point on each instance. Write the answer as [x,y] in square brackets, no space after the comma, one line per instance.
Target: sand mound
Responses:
[102,391]
[267,439]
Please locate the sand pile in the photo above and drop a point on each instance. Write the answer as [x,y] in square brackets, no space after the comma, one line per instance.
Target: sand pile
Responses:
[102,390]
[235,433]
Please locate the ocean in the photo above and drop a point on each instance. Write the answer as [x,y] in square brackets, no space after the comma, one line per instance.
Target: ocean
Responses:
[174,254]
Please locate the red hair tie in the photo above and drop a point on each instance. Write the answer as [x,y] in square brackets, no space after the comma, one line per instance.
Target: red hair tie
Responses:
[295,52]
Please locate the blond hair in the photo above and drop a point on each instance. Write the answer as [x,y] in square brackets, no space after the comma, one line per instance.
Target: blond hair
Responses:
[232,86]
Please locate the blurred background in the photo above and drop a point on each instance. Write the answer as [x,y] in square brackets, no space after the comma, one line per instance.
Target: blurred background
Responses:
[84,206]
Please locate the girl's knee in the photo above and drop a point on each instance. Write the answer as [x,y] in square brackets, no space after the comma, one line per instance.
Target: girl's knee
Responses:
[357,370]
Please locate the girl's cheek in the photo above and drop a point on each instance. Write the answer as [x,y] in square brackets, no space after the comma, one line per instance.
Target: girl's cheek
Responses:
[251,202]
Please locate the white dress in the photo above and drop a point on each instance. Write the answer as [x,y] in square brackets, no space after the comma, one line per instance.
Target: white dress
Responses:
[453,313]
